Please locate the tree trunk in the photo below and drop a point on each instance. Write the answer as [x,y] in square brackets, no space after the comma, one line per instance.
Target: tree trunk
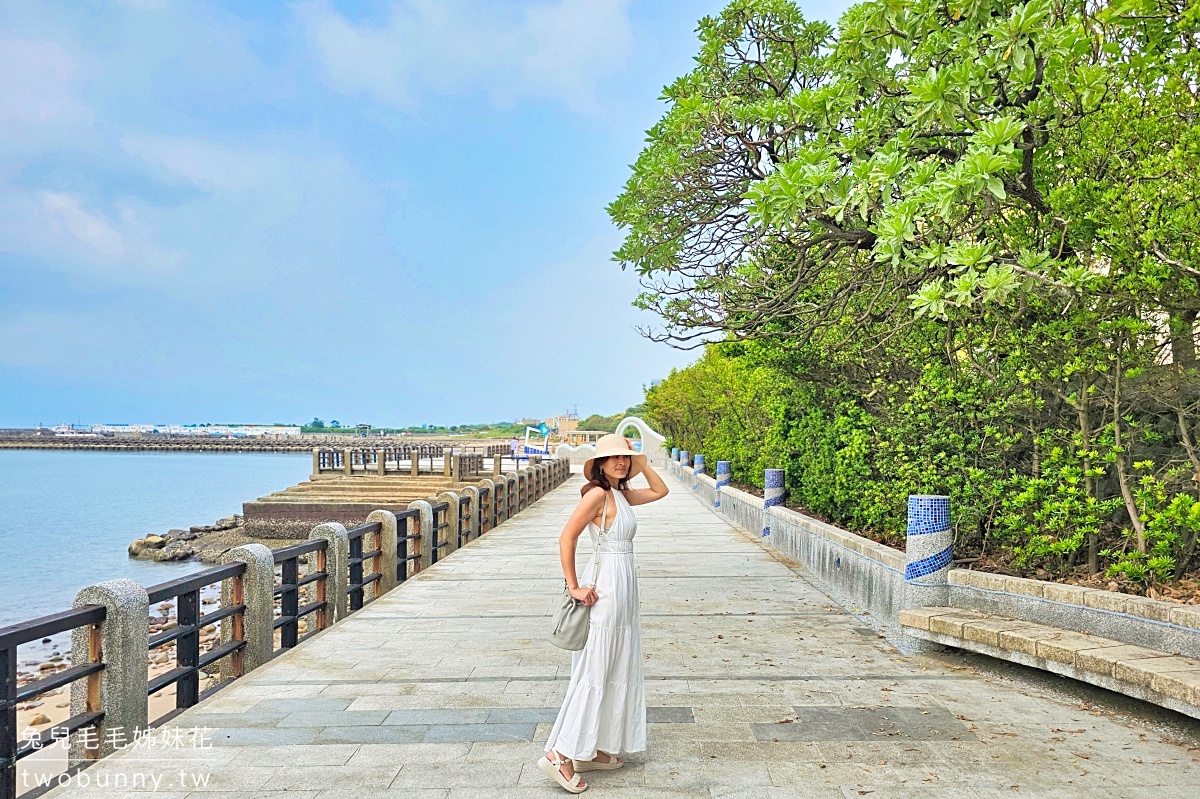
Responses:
[1183,338]
[1083,412]
[1122,479]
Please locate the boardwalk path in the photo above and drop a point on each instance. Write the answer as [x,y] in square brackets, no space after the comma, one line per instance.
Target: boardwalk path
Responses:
[759,686]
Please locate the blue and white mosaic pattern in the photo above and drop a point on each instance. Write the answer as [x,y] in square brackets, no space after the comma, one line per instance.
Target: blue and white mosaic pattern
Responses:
[930,539]
[685,458]
[772,495]
[724,470]
[698,470]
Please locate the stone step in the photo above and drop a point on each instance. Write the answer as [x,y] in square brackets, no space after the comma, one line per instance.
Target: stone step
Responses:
[1164,678]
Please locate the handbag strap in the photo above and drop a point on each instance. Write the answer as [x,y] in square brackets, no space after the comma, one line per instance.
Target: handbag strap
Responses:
[600,540]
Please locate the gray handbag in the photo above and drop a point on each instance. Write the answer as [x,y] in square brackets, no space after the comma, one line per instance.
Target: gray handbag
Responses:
[571,616]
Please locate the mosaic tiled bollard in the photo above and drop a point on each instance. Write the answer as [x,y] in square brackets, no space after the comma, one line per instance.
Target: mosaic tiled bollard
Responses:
[724,472]
[697,471]
[929,548]
[772,496]
[674,464]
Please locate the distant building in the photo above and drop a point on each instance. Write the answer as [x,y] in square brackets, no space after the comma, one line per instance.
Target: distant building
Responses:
[577,437]
[215,430]
[563,423]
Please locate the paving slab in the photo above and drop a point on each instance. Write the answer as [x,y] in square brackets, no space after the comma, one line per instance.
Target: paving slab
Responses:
[759,687]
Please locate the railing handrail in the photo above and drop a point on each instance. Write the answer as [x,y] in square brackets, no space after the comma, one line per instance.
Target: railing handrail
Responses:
[26,632]
[295,550]
[181,585]
[364,529]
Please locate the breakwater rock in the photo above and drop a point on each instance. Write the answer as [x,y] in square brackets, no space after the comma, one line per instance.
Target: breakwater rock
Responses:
[203,542]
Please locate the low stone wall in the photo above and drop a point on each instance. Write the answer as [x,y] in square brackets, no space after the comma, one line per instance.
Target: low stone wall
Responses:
[1133,620]
[863,575]
[744,510]
[859,573]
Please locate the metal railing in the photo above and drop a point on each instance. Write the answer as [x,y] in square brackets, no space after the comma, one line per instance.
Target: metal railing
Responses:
[437,541]
[185,635]
[485,509]
[358,581]
[464,519]
[408,534]
[12,747]
[287,591]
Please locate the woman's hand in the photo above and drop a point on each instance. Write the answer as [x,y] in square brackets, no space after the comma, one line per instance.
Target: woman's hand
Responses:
[585,594]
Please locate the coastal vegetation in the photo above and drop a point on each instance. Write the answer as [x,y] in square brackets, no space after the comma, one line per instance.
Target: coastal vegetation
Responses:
[609,423]
[946,247]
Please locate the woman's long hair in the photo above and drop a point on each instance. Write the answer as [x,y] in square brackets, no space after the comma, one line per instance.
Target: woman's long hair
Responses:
[599,478]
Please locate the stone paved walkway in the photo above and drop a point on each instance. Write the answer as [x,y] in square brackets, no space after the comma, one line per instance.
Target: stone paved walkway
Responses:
[759,686]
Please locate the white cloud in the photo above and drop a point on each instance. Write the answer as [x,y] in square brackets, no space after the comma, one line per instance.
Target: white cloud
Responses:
[65,211]
[559,50]
[58,228]
[38,83]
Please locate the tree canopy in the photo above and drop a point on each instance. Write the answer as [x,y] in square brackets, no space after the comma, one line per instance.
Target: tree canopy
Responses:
[962,231]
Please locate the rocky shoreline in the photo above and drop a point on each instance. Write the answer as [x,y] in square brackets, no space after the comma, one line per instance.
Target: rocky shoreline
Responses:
[206,543]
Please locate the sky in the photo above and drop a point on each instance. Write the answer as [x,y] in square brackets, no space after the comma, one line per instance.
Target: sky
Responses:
[381,212]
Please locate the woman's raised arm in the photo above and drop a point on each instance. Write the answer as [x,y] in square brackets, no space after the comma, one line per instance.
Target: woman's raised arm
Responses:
[657,490]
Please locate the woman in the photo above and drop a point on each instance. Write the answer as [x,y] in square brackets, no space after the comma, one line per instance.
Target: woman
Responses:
[605,708]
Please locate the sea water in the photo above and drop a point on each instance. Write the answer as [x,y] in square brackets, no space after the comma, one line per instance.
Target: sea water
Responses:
[67,517]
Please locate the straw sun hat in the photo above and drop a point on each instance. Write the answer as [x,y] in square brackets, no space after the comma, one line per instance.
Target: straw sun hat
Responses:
[610,445]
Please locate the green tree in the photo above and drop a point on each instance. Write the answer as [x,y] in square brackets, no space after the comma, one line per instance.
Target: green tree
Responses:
[955,241]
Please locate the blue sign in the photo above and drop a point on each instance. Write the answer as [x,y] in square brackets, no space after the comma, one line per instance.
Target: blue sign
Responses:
[543,429]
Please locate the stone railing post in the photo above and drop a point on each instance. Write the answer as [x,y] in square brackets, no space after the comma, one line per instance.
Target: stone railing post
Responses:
[316,462]
[425,522]
[347,462]
[497,465]
[122,643]
[772,495]
[389,544]
[256,590]
[697,471]
[337,567]
[380,461]
[522,489]
[930,549]
[447,462]
[452,532]
[414,465]
[724,473]
[473,493]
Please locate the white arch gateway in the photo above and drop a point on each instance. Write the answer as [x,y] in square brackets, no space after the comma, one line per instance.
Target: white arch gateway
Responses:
[653,444]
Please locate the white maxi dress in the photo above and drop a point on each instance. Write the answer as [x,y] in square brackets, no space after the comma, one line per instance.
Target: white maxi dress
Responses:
[605,706]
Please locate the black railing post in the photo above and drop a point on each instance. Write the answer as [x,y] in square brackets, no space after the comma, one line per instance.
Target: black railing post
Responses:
[187,648]
[8,723]
[356,573]
[289,601]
